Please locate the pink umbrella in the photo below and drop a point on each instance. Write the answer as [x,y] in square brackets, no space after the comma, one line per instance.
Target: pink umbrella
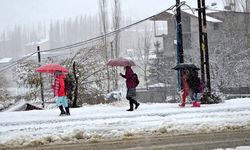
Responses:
[120,62]
[51,68]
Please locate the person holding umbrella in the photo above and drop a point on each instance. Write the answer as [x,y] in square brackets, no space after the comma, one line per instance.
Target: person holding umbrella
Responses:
[131,83]
[189,83]
[60,93]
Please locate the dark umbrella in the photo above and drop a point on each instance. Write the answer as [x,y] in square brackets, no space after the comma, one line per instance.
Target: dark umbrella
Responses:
[120,62]
[188,66]
[51,68]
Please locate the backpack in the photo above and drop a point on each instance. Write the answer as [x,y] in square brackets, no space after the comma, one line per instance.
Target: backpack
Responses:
[135,79]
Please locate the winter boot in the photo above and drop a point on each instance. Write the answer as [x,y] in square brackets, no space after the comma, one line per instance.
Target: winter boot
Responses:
[131,106]
[137,105]
[182,105]
[196,104]
[62,110]
[67,111]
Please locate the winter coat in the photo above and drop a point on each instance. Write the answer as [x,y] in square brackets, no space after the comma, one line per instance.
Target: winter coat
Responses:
[129,78]
[59,87]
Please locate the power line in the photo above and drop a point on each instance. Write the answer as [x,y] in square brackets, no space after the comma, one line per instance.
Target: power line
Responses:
[87,41]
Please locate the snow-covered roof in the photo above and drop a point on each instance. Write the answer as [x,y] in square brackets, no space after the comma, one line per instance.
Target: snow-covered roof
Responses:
[167,15]
[195,14]
[5,60]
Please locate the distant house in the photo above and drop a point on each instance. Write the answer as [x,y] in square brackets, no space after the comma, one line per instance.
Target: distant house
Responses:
[189,30]
[223,27]
[218,22]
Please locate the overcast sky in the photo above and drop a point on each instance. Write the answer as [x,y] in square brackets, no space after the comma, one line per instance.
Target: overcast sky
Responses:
[14,12]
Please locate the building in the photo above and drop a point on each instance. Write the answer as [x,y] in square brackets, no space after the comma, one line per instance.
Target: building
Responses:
[227,30]
[218,23]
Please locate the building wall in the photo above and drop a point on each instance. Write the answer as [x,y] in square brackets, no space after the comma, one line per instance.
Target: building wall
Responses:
[232,22]
[155,95]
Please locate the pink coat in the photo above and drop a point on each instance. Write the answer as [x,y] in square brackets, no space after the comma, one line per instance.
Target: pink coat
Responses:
[128,76]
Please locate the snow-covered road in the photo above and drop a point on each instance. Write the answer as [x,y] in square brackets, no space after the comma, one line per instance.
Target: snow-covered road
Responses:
[96,122]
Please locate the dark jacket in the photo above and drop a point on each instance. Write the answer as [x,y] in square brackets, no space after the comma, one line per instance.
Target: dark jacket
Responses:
[194,83]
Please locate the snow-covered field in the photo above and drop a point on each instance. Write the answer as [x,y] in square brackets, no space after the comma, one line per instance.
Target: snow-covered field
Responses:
[97,122]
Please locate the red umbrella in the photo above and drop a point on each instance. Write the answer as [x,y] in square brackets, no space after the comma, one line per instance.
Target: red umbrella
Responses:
[51,68]
[120,62]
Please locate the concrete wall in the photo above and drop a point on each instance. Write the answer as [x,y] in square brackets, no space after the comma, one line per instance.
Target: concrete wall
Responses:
[155,95]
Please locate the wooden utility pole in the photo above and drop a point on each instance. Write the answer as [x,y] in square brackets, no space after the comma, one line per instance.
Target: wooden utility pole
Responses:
[179,45]
[40,75]
[74,105]
[204,44]
[201,42]
[180,57]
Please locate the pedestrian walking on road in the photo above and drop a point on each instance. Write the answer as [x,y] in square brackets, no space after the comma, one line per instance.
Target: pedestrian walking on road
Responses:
[60,93]
[131,83]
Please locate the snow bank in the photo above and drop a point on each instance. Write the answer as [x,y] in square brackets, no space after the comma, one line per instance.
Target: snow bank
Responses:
[111,121]
[237,148]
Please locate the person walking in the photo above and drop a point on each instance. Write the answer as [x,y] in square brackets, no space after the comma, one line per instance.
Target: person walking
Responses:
[60,93]
[131,83]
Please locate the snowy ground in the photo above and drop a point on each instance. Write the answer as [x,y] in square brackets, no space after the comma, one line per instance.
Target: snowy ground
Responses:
[97,122]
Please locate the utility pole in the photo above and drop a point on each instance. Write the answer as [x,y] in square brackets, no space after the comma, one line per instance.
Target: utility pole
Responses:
[201,42]
[180,57]
[40,75]
[179,45]
[204,44]
[248,22]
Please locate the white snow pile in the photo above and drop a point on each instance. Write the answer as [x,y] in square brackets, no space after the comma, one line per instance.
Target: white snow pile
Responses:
[237,148]
[110,121]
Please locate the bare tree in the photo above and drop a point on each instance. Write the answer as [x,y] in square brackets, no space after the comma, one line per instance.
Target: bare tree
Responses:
[90,70]
[144,45]
[229,60]
[104,28]
[3,89]
[116,26]
[27,77]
